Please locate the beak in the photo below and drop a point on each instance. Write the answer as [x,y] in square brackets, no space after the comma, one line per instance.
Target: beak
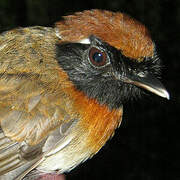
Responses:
[147,82]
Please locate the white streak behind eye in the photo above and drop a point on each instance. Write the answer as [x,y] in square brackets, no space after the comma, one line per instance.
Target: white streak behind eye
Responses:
[85,41]
[57,33]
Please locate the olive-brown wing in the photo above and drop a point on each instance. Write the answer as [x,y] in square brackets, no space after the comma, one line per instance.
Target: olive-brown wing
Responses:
[32,102]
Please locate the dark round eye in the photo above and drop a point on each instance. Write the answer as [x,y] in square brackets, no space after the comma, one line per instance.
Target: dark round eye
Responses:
[97,57]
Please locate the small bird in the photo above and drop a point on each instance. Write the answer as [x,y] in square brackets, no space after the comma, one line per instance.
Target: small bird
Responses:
[62,89]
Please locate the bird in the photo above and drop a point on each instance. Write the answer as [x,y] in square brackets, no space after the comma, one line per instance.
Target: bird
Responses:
[62,89]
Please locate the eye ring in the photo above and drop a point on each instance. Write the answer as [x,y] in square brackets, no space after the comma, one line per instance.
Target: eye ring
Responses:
[97,57]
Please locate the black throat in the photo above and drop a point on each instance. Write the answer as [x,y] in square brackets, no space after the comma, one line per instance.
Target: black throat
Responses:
[100,84]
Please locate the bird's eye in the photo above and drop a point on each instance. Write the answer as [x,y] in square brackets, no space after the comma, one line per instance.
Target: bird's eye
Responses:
[97,57]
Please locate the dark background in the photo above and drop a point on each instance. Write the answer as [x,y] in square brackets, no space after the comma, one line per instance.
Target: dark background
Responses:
[146,146]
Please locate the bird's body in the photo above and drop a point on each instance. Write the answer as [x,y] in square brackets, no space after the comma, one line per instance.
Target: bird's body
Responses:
[62,89]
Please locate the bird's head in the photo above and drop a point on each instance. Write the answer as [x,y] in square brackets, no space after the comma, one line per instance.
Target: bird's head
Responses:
[108,56]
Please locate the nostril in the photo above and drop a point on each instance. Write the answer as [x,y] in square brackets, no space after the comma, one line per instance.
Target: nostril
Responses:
[141,74]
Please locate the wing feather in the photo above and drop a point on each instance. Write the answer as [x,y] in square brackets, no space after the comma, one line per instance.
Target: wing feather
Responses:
[33,106]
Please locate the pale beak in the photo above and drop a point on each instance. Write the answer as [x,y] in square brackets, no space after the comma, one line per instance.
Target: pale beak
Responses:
[147,82]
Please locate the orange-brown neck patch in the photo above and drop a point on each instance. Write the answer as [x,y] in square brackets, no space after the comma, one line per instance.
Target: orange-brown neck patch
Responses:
[97,120]
[117,29]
